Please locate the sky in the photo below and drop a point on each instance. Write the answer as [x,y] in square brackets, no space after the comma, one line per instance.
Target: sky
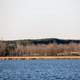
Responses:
[31,19]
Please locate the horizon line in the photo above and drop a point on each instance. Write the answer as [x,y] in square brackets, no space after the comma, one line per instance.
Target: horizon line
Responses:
[38,39]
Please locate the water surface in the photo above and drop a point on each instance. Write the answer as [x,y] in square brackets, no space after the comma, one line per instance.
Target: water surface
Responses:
[39,69]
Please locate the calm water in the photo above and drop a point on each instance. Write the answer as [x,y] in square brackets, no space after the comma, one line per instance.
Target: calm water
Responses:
[40,70]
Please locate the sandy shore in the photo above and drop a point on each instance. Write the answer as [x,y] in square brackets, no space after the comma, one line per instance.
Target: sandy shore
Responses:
[38,57]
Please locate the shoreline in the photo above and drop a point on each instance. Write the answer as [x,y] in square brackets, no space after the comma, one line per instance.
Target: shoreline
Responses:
[37,57]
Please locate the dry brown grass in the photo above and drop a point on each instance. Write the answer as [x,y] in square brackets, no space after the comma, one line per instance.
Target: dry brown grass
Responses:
[39,57]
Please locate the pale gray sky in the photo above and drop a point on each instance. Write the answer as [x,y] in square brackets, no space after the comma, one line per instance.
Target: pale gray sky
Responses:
[21,19]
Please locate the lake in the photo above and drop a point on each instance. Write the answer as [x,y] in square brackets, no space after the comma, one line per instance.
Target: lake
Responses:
[39,69]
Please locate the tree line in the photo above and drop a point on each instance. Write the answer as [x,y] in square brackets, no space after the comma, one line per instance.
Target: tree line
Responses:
[41,47]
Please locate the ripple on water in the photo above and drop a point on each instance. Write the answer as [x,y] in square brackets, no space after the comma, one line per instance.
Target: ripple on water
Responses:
[39,69]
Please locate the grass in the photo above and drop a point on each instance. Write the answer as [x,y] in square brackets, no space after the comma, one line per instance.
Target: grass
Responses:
[38,57]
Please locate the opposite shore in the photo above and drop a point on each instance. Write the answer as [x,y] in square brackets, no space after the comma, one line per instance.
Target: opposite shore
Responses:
[40,47]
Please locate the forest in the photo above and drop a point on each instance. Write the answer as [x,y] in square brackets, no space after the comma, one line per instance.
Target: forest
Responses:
[40,47]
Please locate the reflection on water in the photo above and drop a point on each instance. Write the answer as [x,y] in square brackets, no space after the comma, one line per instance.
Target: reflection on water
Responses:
[39,69]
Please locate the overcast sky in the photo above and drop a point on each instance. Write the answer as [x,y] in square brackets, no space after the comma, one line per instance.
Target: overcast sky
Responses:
[21,19]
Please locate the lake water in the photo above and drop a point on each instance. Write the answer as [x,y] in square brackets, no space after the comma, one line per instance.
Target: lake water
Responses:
[39,69]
